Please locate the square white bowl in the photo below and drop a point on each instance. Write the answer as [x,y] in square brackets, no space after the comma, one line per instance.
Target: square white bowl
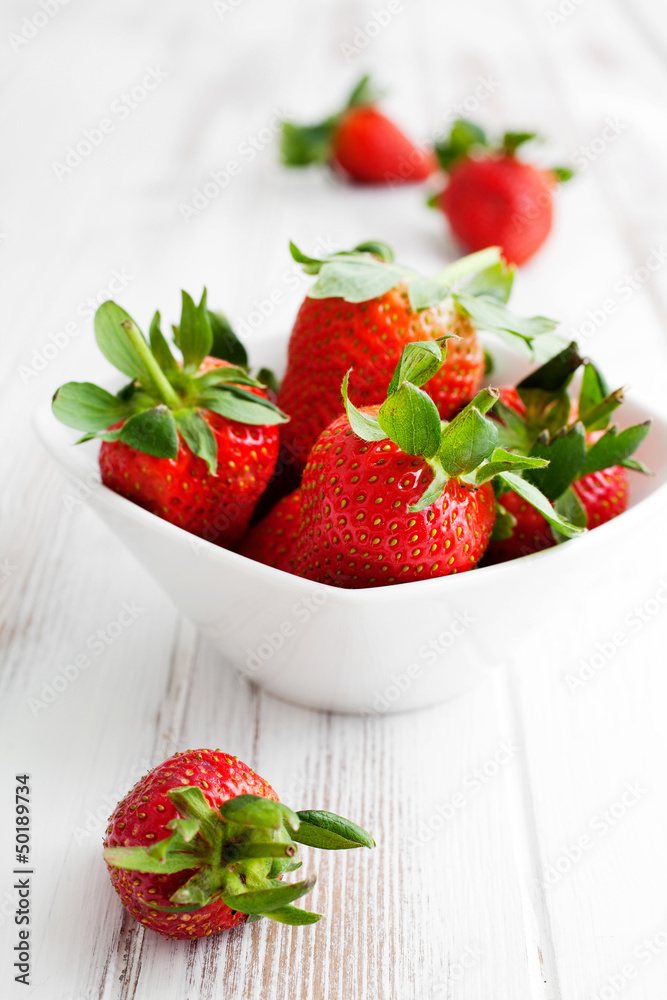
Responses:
[375,650]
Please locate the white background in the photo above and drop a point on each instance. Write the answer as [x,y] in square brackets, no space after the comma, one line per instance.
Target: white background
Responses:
[449,906]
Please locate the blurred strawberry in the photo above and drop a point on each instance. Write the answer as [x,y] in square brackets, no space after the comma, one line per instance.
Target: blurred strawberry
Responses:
[359,141]
[492,198]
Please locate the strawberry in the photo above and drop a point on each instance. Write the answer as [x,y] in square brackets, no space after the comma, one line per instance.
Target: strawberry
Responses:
[201,843]
[389,496]
[492,197]
[360,142]
[194,443]
[587,476]
[363,310]
[273,540]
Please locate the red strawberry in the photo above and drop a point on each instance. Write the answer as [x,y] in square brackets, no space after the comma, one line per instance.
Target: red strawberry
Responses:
[200,844]
[273,540]
[360,141]
[361,313]
[494,199]
[195,444]
[578,477]
[383,498]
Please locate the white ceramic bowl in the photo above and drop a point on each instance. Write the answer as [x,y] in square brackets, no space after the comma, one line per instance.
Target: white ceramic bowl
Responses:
[376,651]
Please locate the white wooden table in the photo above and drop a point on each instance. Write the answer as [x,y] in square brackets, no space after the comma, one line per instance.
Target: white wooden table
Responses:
[521,829]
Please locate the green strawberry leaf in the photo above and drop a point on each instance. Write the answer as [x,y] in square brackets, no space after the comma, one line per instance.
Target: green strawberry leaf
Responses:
[138,859]
[302,145]
[256,811]
[411,419]
[470,437]
[86,407]
[636,466]
[195,337]
[512,140]
[418,363]
[292,916]
[365,425]
[464,137]
[200,890]
[536,499]
[495,281]
[570,508]
[330,832]
[356,278]
[114,344]
[563,174]
[513,431]
[237,404]
[152,432]
[593,390]
[311,265]
[424,293]
[225,343]
[198,436]
[613,448]
[220,376]
[364,93]
[267,900]
[489,314]
[160,347]
[268,378]
[566,453]
[556,373]
[505,461]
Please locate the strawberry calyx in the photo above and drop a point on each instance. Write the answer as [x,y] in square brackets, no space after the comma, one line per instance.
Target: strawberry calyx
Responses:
[466,139]
[478,286]
[166,398]
[239,853]
[466,448]
[302,145]
[575,437]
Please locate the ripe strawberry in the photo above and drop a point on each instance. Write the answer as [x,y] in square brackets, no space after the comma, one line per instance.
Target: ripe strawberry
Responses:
[493,198]
[359,141]
[388,496]
[539,417]
[194,444]
[364,309]
[201,842]
[273,540]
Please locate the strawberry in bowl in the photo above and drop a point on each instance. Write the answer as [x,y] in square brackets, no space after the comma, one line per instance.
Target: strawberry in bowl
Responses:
[492,197]
[360,142]
[589,458]
[193,442]
[201,845]
[362,311]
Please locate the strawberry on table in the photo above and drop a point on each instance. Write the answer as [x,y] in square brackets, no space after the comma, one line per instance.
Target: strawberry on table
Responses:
[494,198]
[362,311]
[201,843]
[587,476]
[390,496]
[194,442]
[273,540]
[360,142]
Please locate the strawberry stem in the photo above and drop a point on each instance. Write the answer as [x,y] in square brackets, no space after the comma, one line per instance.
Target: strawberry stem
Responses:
[162,386]
[470,264]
